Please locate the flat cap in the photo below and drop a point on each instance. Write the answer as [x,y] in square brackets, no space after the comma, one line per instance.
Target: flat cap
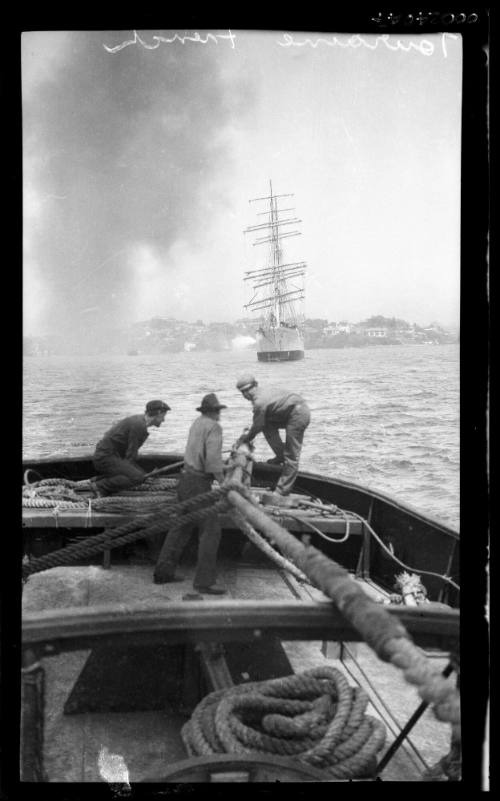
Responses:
[155,406]
[245,382]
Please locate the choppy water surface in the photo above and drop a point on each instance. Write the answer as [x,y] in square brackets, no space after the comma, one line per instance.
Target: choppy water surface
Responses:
[385,417]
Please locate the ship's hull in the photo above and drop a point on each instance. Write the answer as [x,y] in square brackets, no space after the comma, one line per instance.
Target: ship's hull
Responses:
[280,345]
[280,355]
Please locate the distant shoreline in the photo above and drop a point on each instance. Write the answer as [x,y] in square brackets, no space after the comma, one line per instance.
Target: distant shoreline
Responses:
[169,335]
[237,350]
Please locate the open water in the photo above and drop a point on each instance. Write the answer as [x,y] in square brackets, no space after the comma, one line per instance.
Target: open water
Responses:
[386,417]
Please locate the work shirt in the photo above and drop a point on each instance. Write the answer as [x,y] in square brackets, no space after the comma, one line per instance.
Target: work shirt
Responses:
[124,438]
[204,447]
[272,406]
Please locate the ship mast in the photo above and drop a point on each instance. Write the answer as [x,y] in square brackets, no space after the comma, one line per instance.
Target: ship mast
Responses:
[279,304]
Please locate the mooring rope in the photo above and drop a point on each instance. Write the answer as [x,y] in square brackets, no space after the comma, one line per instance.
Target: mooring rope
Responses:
[190,511]
[266,548]
[131,501]
[314,716]
[386,636]
[65,495]
[384,633]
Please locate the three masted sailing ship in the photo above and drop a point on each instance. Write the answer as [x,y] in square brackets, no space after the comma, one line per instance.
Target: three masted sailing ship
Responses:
[276,291]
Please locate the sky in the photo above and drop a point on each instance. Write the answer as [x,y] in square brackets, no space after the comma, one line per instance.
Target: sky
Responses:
[142,149]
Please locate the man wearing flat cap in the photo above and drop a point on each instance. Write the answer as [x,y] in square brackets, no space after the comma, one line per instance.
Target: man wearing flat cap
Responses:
[116,452]
[275,408]
[202,463]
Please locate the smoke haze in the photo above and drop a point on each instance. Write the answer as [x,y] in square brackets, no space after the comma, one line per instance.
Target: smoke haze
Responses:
[140,156]
[120,154]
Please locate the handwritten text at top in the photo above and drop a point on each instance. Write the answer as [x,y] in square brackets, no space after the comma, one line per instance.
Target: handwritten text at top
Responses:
[422,46]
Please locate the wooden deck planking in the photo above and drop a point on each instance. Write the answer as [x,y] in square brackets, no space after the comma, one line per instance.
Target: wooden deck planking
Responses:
[149,741]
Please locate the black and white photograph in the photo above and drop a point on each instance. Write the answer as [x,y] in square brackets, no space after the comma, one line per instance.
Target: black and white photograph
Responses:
[241,443]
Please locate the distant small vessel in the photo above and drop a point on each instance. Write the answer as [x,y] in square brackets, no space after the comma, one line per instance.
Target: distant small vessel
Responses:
[132,353]
[279,337]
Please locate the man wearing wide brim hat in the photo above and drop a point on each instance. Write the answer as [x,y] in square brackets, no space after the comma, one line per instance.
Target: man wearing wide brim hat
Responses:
[275,408]
[202,464]
[116,452]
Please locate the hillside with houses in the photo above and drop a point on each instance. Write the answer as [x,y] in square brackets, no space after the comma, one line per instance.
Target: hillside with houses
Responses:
[375,330]
[169,335]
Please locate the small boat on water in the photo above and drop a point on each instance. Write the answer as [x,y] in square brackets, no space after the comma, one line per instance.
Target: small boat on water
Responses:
[128,681]
[276,293]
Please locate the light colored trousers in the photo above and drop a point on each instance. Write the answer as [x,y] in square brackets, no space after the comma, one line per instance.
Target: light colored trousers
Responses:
[289,451]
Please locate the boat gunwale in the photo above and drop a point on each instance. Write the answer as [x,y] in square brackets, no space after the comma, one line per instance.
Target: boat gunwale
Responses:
[223,620]
[264,467]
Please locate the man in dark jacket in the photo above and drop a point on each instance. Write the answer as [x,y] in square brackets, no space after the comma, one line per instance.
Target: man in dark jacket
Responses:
[116,452]
[202,463]
[273,409]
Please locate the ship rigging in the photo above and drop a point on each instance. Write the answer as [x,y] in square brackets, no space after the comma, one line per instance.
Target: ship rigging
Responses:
[276,293]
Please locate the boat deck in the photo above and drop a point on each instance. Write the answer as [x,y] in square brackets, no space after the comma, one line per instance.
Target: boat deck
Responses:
[148,741]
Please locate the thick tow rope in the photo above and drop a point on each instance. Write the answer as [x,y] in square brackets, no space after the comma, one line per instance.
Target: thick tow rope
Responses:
[156,510]
[385,634]
[314,716]
[158,522]
[312,730]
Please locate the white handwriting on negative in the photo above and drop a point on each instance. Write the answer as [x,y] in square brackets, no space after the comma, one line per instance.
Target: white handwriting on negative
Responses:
[157,40]
[423,46]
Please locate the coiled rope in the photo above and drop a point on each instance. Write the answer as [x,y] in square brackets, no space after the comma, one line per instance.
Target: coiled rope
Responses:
[314,716]
[384,633]
[64,495]
[190,511]
[166,515]
[158,506]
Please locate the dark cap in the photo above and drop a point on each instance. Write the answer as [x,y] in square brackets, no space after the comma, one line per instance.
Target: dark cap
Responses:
[210,403]
[156,406]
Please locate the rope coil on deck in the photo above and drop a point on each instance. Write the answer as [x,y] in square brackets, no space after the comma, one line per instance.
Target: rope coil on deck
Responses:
[190,511]
[387,637]
[63,495]
[159,508]
[315,716]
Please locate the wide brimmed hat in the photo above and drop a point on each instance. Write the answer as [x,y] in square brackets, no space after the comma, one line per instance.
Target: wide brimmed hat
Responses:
[156,406]
[210,403]
[245,382]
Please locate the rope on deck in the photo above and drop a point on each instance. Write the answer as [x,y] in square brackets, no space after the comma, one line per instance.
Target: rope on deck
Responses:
[386,635]
[190,511]
[314,716]
[64,495]
[153,499]
[267,549]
